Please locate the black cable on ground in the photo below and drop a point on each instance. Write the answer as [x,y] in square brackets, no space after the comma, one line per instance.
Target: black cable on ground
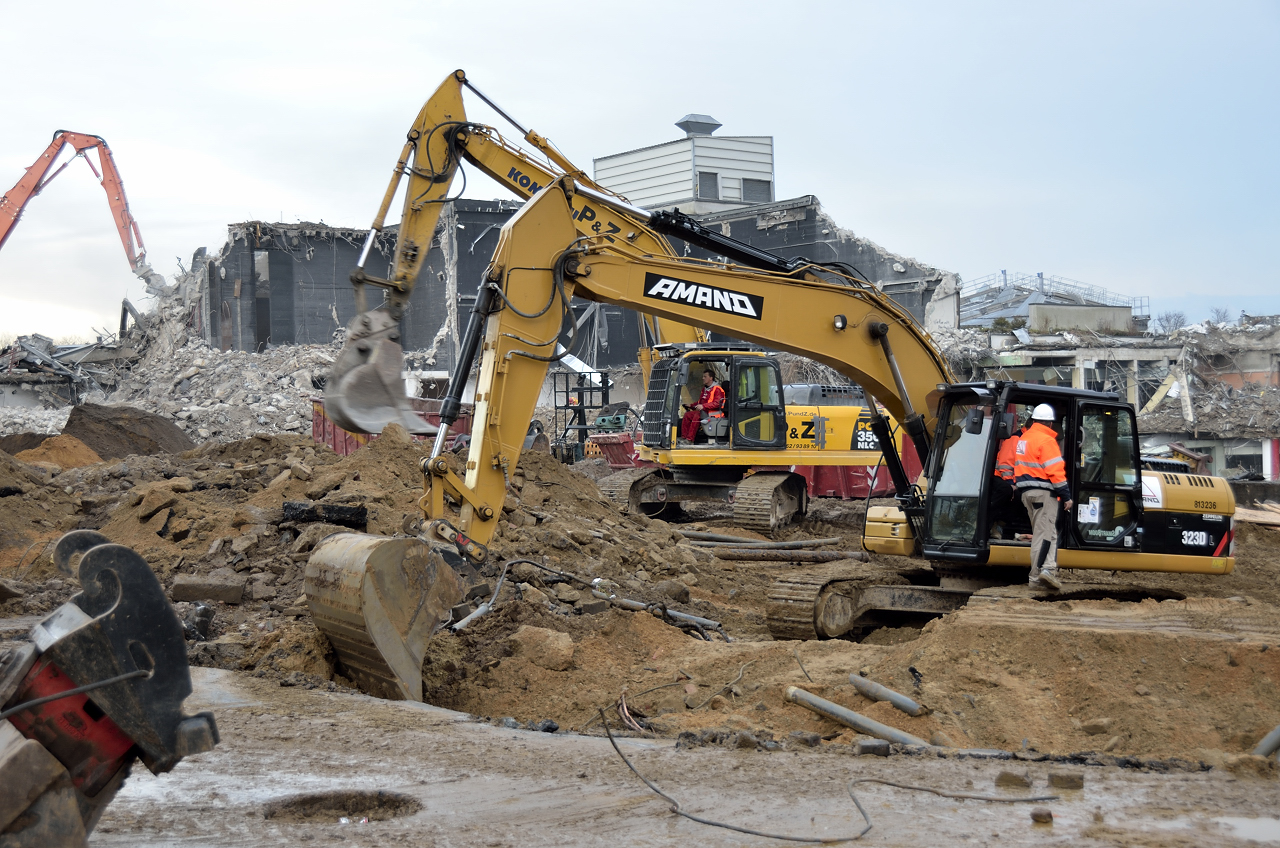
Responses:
[675,806]
[998,799]
[79,690]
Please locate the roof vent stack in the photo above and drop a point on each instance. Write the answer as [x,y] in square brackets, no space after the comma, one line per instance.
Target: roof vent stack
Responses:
[694,124]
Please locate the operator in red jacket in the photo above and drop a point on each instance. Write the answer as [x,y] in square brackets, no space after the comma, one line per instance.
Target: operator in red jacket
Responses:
[710,402]
[1040,475]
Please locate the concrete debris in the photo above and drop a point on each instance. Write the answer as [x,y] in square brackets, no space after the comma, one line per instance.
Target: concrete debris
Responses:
[37,372]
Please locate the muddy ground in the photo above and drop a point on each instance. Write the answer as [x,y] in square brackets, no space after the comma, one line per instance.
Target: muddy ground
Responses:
[1139,687]
[294,763]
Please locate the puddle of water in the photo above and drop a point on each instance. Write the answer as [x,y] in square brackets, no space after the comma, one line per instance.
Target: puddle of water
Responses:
[1259,829]
[213,688]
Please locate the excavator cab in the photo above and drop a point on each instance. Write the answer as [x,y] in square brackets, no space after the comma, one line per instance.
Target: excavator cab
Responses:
[1118,510]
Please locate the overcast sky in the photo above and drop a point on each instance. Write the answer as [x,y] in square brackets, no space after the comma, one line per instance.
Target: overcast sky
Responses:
[1126,145]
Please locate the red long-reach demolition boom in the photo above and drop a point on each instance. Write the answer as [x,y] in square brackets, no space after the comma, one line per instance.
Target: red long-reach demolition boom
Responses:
[34,181]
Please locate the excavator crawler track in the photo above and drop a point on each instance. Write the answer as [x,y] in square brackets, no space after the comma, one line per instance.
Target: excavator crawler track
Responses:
[794,596]
[768,500]
[623,488]
[829,601]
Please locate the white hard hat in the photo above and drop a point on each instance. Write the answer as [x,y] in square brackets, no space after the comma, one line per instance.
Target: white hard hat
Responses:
[1043,412]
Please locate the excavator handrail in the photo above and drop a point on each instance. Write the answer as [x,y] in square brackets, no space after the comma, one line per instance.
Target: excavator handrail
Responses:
[15,201]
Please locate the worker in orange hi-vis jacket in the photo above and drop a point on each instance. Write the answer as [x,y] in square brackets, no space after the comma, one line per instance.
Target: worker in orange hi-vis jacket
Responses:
[711,402]
[1002,490]
[1040,475]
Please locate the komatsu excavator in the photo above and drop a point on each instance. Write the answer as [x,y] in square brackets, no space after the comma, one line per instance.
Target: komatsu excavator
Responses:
[378,599]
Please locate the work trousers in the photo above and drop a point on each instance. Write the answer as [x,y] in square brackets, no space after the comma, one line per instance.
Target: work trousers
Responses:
[1042,509]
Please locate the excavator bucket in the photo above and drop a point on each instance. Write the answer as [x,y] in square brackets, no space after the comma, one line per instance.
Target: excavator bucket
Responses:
[365,389]
[379,600]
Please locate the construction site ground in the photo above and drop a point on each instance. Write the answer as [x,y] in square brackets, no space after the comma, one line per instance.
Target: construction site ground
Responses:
[1156,703]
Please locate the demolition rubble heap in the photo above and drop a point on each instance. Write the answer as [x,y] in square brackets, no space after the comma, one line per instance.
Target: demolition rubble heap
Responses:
[1216,353]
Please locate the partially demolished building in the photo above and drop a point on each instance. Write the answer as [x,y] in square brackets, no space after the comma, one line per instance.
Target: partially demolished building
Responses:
[275,284]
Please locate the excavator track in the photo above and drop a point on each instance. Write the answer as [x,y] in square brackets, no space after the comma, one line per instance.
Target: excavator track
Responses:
[793,598]
[623,488]
[768,500]
[826,602]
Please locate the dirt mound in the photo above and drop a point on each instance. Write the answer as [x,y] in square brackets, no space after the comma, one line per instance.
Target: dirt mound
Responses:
[63,451]
[114,432]
[1089,675]
[32,513]
[18,442]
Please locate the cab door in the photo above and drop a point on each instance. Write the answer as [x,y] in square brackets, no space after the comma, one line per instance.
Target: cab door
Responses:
[758,413]
[1106,482]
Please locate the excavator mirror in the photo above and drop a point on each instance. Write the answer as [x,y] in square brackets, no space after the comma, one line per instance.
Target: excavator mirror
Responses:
[1006,425]
[973,421]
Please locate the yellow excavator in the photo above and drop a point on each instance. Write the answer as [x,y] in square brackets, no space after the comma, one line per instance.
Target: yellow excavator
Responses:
[378,599]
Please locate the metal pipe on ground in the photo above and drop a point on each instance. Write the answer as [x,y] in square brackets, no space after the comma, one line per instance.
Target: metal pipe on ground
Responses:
[877,692]
[1269,744]
[676,615]
[715,537]
[770,546]
[849,718]
[758,555]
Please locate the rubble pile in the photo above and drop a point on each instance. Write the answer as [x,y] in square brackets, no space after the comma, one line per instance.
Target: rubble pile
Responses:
[21,419]
[57,374]
[967,350]
[1219,409]
[229,395]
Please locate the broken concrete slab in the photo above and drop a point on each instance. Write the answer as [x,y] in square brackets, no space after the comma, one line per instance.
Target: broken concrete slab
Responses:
[221,584]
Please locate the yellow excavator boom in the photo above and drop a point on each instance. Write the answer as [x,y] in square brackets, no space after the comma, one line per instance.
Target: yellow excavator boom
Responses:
[365,391]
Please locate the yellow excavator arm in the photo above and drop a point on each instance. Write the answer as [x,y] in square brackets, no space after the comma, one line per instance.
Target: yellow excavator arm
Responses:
[365,391]
[543,260]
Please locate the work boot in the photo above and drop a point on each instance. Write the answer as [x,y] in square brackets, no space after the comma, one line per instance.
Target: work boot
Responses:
[1049,577]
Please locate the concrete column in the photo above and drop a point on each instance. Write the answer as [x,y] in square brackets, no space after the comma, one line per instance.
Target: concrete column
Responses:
[1271,459]
[1133,384]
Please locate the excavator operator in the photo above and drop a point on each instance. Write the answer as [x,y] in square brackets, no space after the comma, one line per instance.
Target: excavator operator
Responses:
[1040,474]
[711,402]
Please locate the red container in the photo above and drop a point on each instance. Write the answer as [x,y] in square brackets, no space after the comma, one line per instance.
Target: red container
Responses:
[618,449]
[344,443]
[856,481]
